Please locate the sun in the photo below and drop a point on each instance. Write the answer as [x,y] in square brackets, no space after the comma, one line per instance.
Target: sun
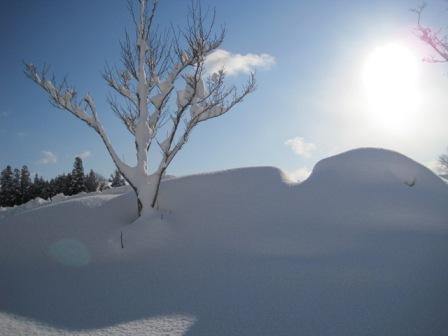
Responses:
[390,79]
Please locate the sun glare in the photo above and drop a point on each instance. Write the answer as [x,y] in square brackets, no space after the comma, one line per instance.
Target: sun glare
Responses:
[390,78]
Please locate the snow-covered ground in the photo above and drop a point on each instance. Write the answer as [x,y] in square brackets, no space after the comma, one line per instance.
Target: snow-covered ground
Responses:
[359,248]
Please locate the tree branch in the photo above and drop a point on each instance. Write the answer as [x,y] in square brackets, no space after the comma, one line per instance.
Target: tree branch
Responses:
[431,38]
[64,98]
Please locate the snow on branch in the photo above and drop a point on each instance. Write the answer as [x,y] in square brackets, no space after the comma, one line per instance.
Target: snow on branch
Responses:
[122,85]
[153,65]
[204,103]
[127,114]
[65,97]
[221,99]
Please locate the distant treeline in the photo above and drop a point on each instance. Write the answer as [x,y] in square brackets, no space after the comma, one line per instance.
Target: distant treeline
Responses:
[17,186]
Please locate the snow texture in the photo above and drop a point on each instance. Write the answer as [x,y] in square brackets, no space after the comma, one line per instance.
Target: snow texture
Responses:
[156,326]
[359,248]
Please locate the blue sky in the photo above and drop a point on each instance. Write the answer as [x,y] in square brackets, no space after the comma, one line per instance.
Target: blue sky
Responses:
[309,104]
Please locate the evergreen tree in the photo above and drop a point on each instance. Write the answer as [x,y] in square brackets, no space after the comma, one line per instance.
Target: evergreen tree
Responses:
[116,179]
[66,183]
[16,194]
[60,185]
[25,185]
[51,188]
[16,186]
[102,182]
[7,187]
[55,186]
[39,187]
[46,190]
[92,182]
[78,183]
[36,186]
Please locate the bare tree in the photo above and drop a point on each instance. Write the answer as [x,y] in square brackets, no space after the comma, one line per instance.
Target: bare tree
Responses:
[152,65]
[436,39]
[443,165]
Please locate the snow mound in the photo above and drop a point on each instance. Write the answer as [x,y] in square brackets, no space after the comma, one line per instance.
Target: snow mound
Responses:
[157,326]
[375,166]
[82,197]
[359,248]
[32,204]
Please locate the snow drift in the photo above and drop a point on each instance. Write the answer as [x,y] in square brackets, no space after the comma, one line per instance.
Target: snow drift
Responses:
[359,248]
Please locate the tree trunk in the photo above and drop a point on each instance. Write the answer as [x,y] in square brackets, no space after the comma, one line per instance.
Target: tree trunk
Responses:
[158,180]
[147,192]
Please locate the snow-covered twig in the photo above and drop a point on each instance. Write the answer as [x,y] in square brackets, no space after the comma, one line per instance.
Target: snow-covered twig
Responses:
[152,65]
[64,98]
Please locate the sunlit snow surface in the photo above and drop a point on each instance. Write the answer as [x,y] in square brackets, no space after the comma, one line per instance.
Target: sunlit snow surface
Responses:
[359,248]
[158,326]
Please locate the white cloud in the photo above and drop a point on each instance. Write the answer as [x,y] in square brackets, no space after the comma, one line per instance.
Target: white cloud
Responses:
[234,64]
[299,175]
[85,154]
[48,158]
[300,146]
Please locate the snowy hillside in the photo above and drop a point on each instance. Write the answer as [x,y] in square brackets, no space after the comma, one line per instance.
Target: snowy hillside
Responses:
[359,248]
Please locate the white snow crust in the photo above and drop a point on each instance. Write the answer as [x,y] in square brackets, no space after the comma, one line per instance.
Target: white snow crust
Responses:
[359,248]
